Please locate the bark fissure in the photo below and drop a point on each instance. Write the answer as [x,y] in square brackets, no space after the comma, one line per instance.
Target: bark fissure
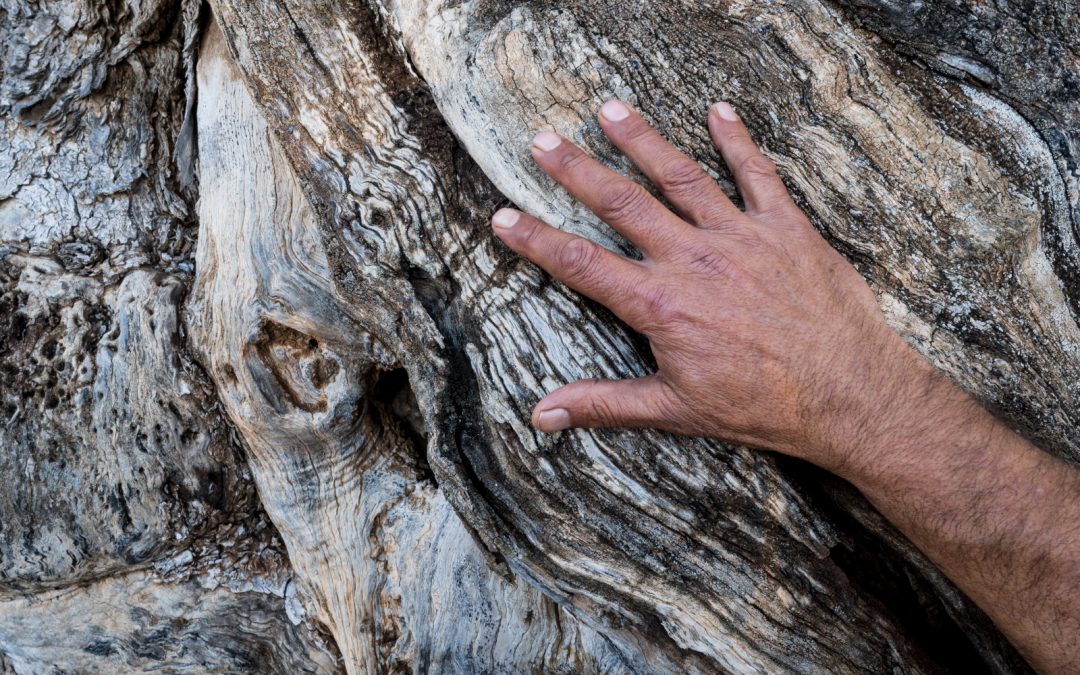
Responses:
[312,413]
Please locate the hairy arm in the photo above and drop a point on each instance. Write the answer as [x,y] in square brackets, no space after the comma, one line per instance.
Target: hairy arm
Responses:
[764,335]
[999,516]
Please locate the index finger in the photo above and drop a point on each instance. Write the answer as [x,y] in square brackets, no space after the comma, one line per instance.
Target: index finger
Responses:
[617,200]
[585,266]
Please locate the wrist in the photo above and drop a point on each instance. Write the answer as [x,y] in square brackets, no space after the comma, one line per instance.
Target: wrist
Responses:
[889,404]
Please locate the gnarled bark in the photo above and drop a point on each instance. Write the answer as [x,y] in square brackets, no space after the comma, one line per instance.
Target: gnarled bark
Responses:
[348,355]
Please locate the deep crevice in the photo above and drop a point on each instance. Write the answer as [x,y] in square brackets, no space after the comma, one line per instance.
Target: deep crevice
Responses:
[393,395]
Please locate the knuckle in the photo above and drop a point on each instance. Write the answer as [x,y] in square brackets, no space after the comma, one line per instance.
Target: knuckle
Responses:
[665,239]
[577,257]
[757,166]
[734,137]
[669,408]
[680,175]
[658,306]
[528,233]
[620,199]
[709,261]
[638,131]
[571,160]
[601,410]
[725,223]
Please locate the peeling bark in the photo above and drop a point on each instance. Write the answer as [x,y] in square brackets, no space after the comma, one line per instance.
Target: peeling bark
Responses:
[266,372]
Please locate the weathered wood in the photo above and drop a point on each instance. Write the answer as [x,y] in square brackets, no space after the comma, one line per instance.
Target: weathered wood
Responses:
[135,623]
[131,535]
[375,353]
[969,243]
[334,438]
[114,456]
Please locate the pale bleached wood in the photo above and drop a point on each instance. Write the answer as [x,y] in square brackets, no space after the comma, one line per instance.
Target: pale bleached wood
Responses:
[130,530]
[376,354]
[135,622]
[381,558]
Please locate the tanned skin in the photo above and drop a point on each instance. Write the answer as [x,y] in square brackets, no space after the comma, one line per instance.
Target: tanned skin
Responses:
[765,336]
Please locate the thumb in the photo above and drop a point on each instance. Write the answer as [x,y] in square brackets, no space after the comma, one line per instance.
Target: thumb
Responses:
[640,402]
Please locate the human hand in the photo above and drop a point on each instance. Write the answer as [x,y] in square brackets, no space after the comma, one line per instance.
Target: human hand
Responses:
[762,333]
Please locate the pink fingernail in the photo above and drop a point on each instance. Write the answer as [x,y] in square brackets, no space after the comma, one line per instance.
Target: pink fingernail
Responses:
[725,111]
[555,419]
[546,140]
[615,111]
[505,218]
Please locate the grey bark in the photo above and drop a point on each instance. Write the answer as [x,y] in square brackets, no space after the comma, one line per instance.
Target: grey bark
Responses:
[266,375]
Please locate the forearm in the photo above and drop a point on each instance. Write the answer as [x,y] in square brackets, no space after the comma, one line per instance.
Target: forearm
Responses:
[1000,517]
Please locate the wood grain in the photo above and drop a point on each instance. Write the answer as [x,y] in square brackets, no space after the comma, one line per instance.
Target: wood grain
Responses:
[267,250]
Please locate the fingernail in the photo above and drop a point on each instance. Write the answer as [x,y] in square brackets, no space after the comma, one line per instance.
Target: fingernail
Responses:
[615,111]
[546,140]
[555,419]
[725,111]
[505,218]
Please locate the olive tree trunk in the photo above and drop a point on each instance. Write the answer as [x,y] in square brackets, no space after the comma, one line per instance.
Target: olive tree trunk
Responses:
[265,374]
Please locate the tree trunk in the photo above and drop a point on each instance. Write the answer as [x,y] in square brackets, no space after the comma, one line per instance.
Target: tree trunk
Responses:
[266,374]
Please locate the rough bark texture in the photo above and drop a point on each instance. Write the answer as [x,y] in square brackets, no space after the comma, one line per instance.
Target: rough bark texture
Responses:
[266,375]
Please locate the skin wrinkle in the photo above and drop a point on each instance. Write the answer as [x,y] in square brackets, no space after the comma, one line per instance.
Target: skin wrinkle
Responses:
[810,368]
